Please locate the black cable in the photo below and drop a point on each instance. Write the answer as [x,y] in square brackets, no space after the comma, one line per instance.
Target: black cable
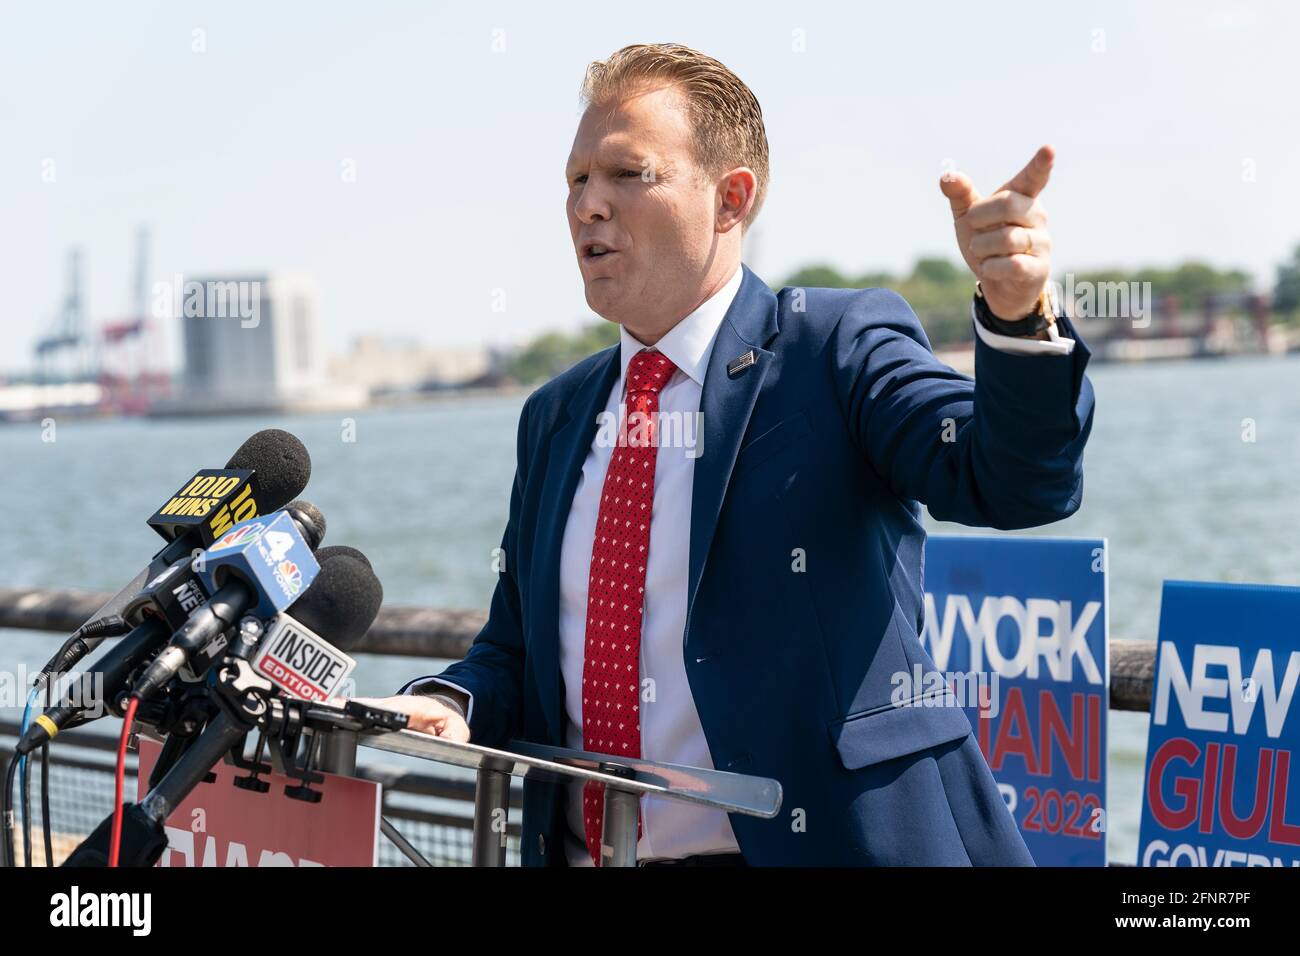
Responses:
[53,663]
[111,626]
[75,645]
[45,804]
[7,811]
[25,791]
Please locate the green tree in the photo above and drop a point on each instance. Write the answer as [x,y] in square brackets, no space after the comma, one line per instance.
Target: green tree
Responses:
[551,353]
[936,289]
[1188,284]
[1286,291]
[817,277]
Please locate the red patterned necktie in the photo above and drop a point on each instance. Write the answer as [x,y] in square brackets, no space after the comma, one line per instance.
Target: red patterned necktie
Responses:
[611,674]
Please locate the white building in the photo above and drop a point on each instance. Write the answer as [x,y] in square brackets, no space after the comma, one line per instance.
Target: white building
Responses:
[378,365]
[253,343]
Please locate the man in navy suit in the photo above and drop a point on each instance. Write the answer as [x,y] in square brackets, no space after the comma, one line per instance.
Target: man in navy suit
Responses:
[739,586]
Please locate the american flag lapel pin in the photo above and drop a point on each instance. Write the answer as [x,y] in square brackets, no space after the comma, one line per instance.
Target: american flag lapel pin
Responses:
[738,365]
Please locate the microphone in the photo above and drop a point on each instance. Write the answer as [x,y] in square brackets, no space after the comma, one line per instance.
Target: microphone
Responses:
[171,596]
[279,465]
[178,590]
[310,522]
[164,607]
[111,670]
[334,549]
[343,601]
[216,499]
[259,567]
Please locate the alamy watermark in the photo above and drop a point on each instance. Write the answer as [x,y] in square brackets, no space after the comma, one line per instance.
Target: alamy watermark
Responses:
[1106,300]
[211,299]
[70,688]
[78,908]
[929,688]
[683,430]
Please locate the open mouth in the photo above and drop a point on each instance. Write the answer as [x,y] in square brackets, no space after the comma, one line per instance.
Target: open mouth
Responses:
[595,251]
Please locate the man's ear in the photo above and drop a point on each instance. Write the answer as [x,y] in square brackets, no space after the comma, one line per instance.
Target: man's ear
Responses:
[736,192]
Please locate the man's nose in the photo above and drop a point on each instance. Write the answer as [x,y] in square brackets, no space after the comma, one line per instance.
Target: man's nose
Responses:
[591,204]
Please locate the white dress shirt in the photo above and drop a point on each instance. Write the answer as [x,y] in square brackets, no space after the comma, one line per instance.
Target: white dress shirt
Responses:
[670,723]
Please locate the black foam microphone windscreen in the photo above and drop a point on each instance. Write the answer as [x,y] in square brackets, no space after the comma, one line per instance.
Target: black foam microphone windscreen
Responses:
[341,604]
[333,549]
[281,462]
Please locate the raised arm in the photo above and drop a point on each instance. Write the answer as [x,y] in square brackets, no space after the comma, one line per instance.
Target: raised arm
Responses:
[1004,451]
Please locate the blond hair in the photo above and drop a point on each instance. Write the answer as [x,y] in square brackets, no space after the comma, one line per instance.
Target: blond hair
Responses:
[725,115]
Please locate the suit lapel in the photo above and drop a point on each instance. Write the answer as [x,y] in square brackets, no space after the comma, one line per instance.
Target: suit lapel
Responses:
[569,446]
[726,404]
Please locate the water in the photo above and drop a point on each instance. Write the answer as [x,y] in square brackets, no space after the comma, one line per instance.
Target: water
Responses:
[424,492]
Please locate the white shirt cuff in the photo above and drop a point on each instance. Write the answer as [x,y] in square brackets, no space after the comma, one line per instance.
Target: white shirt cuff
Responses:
[410,687]
[1056,345]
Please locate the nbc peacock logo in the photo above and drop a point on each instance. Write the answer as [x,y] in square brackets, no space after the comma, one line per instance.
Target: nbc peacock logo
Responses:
[239,536]
[290,577]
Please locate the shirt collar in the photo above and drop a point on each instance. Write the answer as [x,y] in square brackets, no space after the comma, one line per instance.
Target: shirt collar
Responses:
[689,343]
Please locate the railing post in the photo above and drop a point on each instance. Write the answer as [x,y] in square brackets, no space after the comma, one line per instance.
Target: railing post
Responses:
[338,753]
[491,814]
[618,833]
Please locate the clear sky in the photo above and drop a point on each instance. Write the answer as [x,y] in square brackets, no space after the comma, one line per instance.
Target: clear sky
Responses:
[1175,125]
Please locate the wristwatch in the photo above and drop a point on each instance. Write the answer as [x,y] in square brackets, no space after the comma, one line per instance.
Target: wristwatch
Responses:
[444,699]
[429,689]
[1033,325]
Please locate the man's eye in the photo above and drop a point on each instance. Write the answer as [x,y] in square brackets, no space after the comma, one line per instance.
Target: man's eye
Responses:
[578,180]
[632,172]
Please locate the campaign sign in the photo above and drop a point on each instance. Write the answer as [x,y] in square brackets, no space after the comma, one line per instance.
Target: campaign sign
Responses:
[220,824]
[267,551]
[1018,627]
[1219,767]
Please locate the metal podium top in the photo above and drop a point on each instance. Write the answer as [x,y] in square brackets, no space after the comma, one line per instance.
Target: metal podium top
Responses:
[733,792]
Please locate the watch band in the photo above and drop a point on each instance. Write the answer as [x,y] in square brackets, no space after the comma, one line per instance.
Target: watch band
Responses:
[1037,321]
[444,699]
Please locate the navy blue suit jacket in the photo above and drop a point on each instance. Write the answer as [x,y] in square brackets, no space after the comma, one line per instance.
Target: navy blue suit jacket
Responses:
[828,445]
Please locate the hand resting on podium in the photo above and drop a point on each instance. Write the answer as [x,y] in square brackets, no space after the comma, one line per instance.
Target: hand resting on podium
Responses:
[426,715]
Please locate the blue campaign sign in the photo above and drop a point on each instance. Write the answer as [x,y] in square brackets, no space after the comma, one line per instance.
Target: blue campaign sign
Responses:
[1018,626]
[1219,749]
